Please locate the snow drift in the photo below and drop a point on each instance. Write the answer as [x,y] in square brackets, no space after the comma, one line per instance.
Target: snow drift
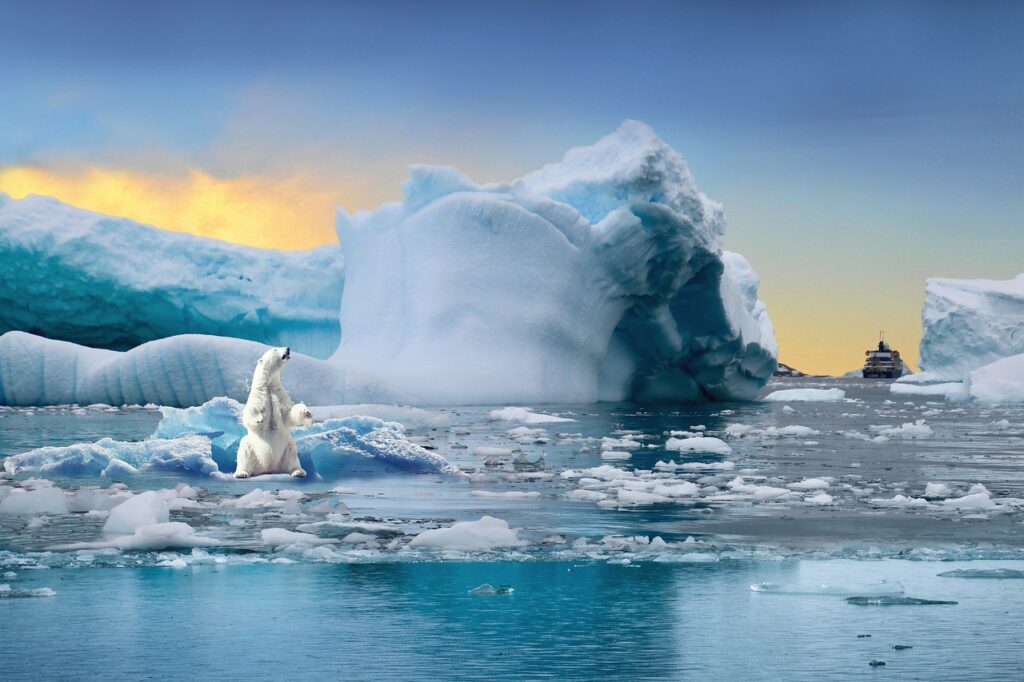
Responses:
[598,277]
[114,283]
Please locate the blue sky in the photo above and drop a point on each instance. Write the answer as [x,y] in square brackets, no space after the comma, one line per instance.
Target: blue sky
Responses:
[826,129]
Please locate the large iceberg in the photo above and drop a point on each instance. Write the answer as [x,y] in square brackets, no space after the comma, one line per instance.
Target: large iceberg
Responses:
[601,276]
[969,323]
[598,277]
[114,283]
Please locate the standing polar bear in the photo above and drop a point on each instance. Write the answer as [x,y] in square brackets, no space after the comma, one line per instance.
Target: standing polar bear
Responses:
[268,417]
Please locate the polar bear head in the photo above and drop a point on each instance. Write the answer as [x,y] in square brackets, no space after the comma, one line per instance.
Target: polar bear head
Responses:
[268,367]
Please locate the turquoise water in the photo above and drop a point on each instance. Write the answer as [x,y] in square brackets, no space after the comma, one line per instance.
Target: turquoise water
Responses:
[563,621]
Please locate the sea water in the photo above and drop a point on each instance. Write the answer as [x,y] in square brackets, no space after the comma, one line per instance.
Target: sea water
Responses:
[594,595]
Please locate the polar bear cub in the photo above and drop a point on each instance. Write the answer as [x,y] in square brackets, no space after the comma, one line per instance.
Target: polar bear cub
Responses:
[268,417]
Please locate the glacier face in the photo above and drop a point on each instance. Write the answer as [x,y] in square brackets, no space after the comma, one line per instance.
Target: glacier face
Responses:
[598,277]
[113,283]
[969,323]
[601,276]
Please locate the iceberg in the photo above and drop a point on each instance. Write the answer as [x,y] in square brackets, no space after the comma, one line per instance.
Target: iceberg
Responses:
[114,283]
[601,276]
[999,382]
[970,323]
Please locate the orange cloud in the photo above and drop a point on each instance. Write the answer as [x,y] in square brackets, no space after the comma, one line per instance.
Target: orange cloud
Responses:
[290,213]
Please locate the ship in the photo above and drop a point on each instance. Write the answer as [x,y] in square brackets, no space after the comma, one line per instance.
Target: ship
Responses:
[882,362]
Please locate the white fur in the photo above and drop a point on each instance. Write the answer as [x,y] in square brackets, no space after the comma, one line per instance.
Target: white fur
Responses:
[269,417]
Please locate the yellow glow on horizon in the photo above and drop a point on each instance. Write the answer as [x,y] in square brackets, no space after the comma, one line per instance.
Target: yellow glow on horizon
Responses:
[289,213]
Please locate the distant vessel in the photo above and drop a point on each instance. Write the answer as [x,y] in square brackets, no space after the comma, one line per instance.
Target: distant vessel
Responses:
[883,362]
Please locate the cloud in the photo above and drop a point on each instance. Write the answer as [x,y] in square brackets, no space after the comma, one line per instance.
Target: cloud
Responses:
[284,213]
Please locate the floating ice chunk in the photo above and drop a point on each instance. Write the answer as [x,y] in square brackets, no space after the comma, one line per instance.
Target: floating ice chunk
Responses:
[980,501]
[882,589]
[937,491]
[357,538]
[7,593]
[737,430]
[42,500]
[916,429]
[1001,381]
[895,601]
[525,415]
[412,418]
[985,573]
[186,455]
[806,395]
[486,534]
[810,484]
[144,509]
[820,499]
[366,446]
[169,535]
[639,497]
[491,451]
[507,495]
[620,444]
[695,466]
[278,537]
[612,455]
[488,590]
[758,492]
[948,389]
[700,444]
[901,501]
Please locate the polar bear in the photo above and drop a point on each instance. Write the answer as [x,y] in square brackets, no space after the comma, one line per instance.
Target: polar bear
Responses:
[268,417]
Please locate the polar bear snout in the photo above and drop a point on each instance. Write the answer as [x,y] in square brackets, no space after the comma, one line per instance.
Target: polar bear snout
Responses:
[287,354]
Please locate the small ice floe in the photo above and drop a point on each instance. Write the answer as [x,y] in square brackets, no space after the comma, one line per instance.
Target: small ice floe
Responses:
[809,484]
[806,395]
[937,491]
[614,455]
[489,590]
[699,444]
[870,590]
[901,502]
[525,415]
[916,429]
[7,593]
[280,537]
[490,451]
[896,601]
[951,390]
[694,466]
[412,418]
[507,495]
[985,573]
[486,534]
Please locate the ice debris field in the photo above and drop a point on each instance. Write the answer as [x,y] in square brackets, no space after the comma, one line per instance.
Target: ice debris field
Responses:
[873,477]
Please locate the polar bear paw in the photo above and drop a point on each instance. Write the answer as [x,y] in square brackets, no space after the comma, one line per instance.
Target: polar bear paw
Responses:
[299,473]
[300,415]
[241,474]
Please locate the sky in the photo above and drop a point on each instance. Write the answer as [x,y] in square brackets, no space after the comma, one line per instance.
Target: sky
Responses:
[858,147]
